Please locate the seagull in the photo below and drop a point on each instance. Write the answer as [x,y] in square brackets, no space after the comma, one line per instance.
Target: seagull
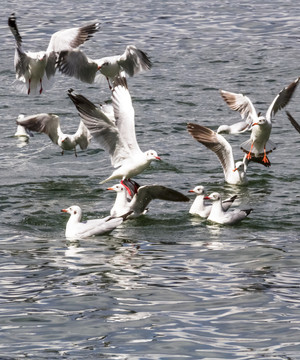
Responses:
[75,63]
[293,122]
[259,144]
[234,174]
[34,70]
[76,229]
[117,137]
[50,125]
[203,210]
[138,201]
[218,215]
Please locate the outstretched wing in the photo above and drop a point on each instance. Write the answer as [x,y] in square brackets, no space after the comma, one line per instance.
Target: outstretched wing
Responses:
[101,128]
[134,61]
[42,123]
[282,99]
[215,142]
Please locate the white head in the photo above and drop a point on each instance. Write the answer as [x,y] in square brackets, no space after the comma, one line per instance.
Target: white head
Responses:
[74,210]
[213,196]
[41,55]
[152,155]
[260,120]
[198,190]
[118,188]
[240,166]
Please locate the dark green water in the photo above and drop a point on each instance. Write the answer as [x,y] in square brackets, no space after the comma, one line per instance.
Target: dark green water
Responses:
[166,285]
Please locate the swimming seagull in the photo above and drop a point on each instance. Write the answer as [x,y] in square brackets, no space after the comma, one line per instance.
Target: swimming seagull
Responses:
[50,125]
[218,215]
[233,173]
[75,229]
[138,201]
[259,144]
[34,70]
[75,63]
[117,138]
[293,122]
[200,208]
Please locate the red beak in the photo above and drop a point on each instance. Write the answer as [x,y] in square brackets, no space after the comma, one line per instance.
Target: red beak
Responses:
[206,197]
[191,191]
[157,158]
[64,210]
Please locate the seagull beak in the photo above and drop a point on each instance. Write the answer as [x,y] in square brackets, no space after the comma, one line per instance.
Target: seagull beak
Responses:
[255,124]
[191,191]
[157,158]
[110,188]
[99,67]
[64,210]
[206,197]
[235,169]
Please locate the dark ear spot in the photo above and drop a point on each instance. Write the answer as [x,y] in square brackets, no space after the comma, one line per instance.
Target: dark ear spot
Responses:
[75,212]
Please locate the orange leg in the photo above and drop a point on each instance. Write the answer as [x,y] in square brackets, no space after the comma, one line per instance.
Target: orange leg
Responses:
[248,157]
[265,158]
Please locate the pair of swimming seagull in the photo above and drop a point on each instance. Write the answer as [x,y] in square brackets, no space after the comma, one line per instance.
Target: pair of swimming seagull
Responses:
[257,146]
[35,70]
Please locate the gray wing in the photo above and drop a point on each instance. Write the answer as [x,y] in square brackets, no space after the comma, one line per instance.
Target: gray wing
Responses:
[69,39]
[12,23]
[240,103]
[215,142]
[293,122]
[101,128]
[134,60]
[82,136]
[282,99]
[42,123]
[76,64]
[150,192]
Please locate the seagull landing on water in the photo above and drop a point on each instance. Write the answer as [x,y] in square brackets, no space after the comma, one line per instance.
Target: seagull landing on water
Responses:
[140,197]
[50,125]
[35,69]
[76,229]
[77,64]
[218,215]
[117,137]
[203,210]
[259,144]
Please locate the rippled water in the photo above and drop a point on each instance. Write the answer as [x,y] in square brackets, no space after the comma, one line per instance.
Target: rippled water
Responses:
[166,285]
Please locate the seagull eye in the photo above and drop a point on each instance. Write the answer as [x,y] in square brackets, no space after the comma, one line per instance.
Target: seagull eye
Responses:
[75,212]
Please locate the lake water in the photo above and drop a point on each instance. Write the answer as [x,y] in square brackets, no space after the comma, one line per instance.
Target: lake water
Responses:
[166,285]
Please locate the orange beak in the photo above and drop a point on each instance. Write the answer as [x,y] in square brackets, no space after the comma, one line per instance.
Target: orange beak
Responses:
[110,188]
[64,210]
[191,191]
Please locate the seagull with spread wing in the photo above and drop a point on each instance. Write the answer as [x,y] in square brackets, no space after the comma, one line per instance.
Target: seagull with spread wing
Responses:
[259,144]
[34,70]
[117,137]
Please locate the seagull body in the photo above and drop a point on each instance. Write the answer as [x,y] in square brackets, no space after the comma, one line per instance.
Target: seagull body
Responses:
[218,215]
[117,137]
[34,70]
[75,229]
[259,144]
[234,173]
[138,201]
[50,125]
[203,210]
[75,63]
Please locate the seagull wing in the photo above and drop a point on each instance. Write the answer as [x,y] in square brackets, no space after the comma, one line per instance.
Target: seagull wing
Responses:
[76,64]
[101,128]
[282,99]
[69,39]
[293,122]
[240,103]
[215,142]
[124,114]
[82,136]
[43,123]
[150,192]
[134,60]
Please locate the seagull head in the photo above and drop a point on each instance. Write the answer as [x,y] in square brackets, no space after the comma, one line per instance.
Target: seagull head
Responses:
[239,165]
[213,196]
[74,211]
[199,190]
[152,155]
[117,188]
[260,120]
